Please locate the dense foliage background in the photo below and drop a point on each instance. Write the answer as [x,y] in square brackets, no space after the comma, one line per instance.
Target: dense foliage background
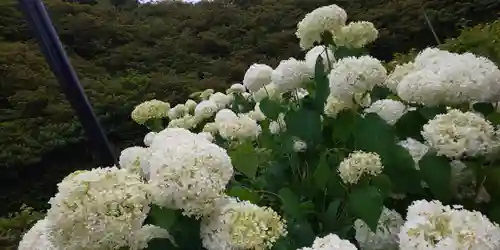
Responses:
[125,53]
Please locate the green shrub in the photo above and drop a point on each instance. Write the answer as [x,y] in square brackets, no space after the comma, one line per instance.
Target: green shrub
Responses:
[15,225]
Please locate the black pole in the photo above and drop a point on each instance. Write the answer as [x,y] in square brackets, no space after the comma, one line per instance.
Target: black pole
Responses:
[41,25]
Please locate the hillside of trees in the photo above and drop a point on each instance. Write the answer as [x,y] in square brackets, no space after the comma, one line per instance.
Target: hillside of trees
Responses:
[125,53]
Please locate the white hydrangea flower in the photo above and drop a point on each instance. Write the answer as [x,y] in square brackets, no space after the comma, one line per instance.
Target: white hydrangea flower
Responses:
[330,242]
[299,145]
[327,18]
[389,110]
[326,55]
[148,138]
[257,113]
[441,77]
[279,125]
[353,76]
[205,109]
[207,136]
[39,237]
[457,134]
[242,225]
[190,105]
[177,111]
[359,164]
[290,74]
[399,72]
[416,149]
[205,94]
[98,209]
[431,225]
[135,159]
[386,236]
[271,90]
[210,127]
[236,88]
[152,109]
[356,34]
[236,127]
[187,122]
[188,172]
[222,100]
[257,76]
[333,106]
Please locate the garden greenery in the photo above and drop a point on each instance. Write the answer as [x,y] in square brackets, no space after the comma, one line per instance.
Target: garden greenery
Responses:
[329,152]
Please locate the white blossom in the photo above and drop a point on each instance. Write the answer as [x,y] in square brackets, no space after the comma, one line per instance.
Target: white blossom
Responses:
[457,134]
[329,18]
[152,109]
[356,35]
[257,76]
[98,209]
[330,242]
[39,237]
[359,164]
[353,76]
[242,225]
[327,58]
[148,138]
[389,110]
[290,74]
[188,172]
[135,159]
[431,225]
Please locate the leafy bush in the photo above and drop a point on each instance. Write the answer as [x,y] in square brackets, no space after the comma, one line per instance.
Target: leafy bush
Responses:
[330,152]
[13,227]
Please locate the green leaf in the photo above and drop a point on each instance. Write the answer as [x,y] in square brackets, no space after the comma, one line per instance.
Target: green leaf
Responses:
[327,38]
[244,194]
[342,52]
[430,112]
[302,232]
[270,108]
[290,203]
[379,93]
[492,182]
[383,183]
[436,171]
[373,134]
[343,125]
[410,125]
[494,118]
[484,108]
[245,159]
[322,86]
[400,167]
[162,217]
[366,203]
[322,174]
[305,124]
[331,211]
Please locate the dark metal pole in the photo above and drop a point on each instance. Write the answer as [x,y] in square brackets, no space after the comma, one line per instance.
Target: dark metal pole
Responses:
[41,25]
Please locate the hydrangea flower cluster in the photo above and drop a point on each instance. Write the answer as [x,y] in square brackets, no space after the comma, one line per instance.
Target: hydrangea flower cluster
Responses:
[432,225]
[188,172]
[330,242]
[359,164]
[103,208]
[153,109]
[242,225]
